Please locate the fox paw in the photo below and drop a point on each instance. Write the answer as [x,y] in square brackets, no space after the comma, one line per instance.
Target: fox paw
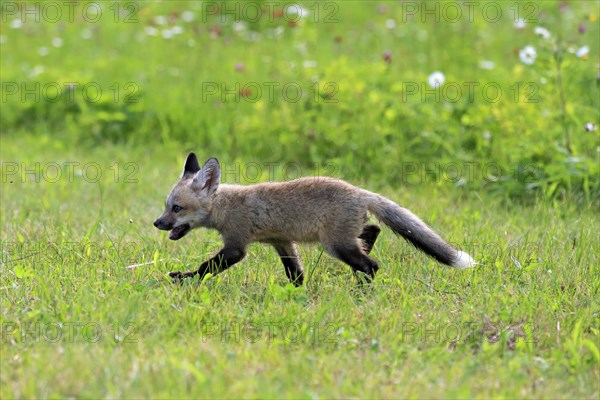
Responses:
[178,276]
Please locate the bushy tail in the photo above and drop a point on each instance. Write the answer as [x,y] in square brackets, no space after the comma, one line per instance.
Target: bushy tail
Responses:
[413,229]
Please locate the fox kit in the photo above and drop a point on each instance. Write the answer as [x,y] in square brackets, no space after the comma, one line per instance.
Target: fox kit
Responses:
[313,209]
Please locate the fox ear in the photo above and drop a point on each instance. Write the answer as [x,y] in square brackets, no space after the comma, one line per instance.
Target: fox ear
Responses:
[208,177]
[191,166]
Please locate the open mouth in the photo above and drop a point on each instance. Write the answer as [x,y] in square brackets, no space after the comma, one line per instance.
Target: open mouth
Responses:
[179,232]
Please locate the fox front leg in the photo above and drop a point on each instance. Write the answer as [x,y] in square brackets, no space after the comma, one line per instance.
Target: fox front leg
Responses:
[225,258]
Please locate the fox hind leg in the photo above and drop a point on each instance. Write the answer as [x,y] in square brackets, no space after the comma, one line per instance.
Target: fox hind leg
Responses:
[353,254]
[288,252]
[368,237]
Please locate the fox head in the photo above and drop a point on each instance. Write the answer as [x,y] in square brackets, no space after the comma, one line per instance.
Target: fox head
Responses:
[189,204]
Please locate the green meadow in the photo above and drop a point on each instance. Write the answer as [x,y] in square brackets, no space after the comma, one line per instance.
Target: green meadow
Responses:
[480,117]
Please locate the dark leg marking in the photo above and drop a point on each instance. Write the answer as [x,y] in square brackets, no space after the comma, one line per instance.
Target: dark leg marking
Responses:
[224,259]
[369,236]
[291,261]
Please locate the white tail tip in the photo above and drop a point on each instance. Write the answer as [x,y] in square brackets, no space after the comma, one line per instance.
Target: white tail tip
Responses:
[463,260]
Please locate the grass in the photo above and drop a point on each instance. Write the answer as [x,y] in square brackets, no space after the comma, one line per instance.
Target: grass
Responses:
[221,85]
[74,316]
[87,310]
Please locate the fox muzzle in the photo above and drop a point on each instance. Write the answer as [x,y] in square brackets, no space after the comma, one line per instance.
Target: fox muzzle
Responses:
[162,225]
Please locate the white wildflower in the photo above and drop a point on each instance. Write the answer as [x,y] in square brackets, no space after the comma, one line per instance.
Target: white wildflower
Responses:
[390,24]
[296,9]
[93,9]
[239,26]
[301,47]
[436,79]
[16,23]
[253,36]
[57,42]
[37,70]
[151,31]
[520,23]
[187,16]
[528,55]
[583,51]
[86,34]
[543,32]
[486,64]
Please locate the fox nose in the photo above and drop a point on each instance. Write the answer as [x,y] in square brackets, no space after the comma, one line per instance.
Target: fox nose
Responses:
[163,225]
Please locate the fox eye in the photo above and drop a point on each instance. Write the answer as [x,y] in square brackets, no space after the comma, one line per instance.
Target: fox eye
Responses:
[177,208]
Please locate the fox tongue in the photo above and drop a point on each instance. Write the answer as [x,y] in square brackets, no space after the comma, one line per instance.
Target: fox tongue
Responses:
[179,232]
[176,232]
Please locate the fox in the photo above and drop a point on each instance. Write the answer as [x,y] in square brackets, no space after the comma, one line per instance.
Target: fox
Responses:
[283,214]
